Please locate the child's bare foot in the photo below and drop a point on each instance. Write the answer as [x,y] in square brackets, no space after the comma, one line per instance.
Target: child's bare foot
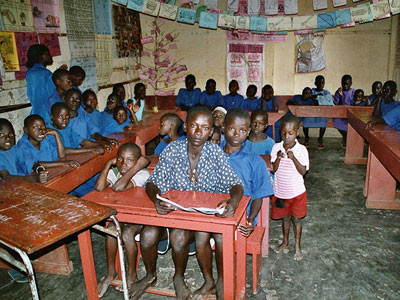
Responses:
[140,286]
[206,289]
[297,254]
[129,282]
[220,290]
[281,247]
[181,289]
[105,283]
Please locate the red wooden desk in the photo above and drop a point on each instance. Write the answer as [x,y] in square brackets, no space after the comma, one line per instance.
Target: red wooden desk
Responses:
[134,206]
[33,217]
[336,111]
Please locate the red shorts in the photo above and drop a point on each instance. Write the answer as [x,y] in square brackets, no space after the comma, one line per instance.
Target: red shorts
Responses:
[297,207]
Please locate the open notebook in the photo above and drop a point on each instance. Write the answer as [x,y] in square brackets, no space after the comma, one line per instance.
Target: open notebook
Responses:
[204,210]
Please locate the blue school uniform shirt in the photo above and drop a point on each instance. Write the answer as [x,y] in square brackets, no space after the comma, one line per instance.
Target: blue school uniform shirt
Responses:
[392,118]
[69,138]
[250,104]
[212,100]
[263,147]
[95,116]
[8,160]
[188,98]
[39,86]
[114,127]
[53,98]
[27,154]
[252,170]
[233,101]
[82,124]
[269,106]
[106,119]
[387,107]
[372,97]
[162,145]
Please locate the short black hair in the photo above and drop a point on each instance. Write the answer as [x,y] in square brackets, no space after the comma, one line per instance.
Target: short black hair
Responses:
[5,122]
[290,119]
[346,77]
[190,76]
[209,81]
[71,90]
[86,94]
[77,71]
[358,91]
[319,77]
[173,118]
[58,74]
[252,86]
[237,113]
[119,107]
[34,54]
[115,95]
[135,149]
[374,85]
[259,112]
[116,86]
[57,106]
[29,119]
[204,110]
[267,87]
[392,84]
[137,87]
[307,88]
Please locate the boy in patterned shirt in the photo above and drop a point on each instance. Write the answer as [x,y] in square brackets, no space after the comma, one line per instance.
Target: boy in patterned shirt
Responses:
[192,164]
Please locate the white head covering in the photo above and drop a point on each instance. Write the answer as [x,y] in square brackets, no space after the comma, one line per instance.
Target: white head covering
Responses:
[220,108]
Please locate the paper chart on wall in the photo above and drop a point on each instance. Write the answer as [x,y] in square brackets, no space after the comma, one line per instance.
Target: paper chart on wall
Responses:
[46,16]
[291,7]
[23,41]
[89,65]
[337,3]
[102,17]
[310,52]
[151,7]
[211,3]
[394,6]
[208,20]
[242,22]
[271,7]
[16,15]
[360,13]
[103,58]
[320,4]
[8,51]
[380,9]
[51,41]
[239,36]
[245,64]
[232,5]
[168,11]
[253,7]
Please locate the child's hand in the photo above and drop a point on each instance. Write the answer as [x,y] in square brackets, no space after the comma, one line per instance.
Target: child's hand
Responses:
[280,154]
[64,67]
[113,142]
[72,163]
[113,161]
[107,148]
[229,210]
[340,91]
[135,108]
[129,105]
[290,154]
[98,150]
[43,176]
[247,229]
[163,207]
[51,131]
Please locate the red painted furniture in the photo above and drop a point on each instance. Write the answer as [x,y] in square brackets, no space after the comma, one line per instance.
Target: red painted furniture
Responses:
[134,206]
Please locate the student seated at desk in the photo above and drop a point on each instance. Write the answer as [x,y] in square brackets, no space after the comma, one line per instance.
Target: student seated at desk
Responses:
[136,105]
[359,98]
[233,99]
[89,101]
[251,102]
[258,142]
[211,97]
[252,170]
[40,147]
[192,164]
[62,81]
[120,121]
[190,96]
[269,102]
[169,126]
[219,114]
[122,172]
[113,100]
[77,76]
[376,91]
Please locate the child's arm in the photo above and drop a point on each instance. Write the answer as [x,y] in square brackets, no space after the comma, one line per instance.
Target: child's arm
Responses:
[230,205]
[101,182]
[255,207]
[91,144]
[132,117]
[98,137]
[60,146]
[58,163]
[162,207]
[96,149]
[125,182]
[299,167]
[275,164]
[274,105]
[378,108]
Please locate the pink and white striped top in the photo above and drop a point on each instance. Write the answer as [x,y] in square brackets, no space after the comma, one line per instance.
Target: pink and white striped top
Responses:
[288,182]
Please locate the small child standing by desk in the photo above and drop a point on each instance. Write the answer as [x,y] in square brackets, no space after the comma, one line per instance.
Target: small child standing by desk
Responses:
[122,172]
[169,126]
[136,105]
[290,163]
[258,142]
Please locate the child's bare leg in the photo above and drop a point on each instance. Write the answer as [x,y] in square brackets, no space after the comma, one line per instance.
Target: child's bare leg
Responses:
[220,266]
[204,258]
[149,238]
[321,134]
[297,228]
[180,240]
[306,136]
[128,234]
[111,251]
[285,229]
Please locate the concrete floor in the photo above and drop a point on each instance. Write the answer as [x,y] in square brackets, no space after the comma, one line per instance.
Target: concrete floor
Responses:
[350,252]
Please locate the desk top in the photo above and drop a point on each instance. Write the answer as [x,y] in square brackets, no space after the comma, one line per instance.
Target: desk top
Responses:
[135,201]
[33,216]
[336,111]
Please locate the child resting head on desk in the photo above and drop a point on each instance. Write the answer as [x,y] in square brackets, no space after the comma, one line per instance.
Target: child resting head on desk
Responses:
[252,170]
[169,126]
[122,172]
[191,164]
[40,147]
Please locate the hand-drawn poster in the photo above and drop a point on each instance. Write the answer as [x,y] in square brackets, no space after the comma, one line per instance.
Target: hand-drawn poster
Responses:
[8,51]
[104,58]
[102,17]
[253,7]
[168,11]
[23,41]
[239,36]
[232,5]
[52,42]
[80,27]
[211,3]
[380,9]
[127,31]
[310,52]
[16,15]
[208,20]
[291,7]
[337,3]
[320,4]
[245,64]
[46,16]
[89,65]
[394,6]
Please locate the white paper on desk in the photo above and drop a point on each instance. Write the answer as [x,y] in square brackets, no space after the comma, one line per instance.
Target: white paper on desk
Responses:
[325,100]
[204,210]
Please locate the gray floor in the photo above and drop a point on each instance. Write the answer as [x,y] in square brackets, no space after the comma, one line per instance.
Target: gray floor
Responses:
[350,252]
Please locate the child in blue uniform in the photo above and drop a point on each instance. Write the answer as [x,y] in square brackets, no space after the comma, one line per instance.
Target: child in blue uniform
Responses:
[169,126]
[376,91]
[251,102]
[120,121]
[8,153]
[62,81]
[40,146]
[39,84]
[189,97]
[252,170]
[258,142]
[269,102]
[89,100]
[119,89]
[136,105]
[211,97]
[77,76]
[113,100]
[359,98]
[233,99]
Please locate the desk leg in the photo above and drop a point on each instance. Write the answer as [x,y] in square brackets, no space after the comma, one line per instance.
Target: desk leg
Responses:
[381,186]
[241,263]
[228,242]
[354,147]
[265,224]
[89,272]
[366,184]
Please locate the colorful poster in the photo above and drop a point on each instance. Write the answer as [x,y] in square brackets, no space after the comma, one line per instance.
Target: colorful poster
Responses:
[271,38]
[245,63]
[326,20]
[8,51]
[89,65]
[211,3]
[208,20]
[23,41]
[136,5]
[16,15]
[102,17]
[186,15]
[343,16]
[310,52]
[46,16]
[151,7]
[103,58]
[239,36]
[52,42]
[258,24]
[127,32]
[394,6]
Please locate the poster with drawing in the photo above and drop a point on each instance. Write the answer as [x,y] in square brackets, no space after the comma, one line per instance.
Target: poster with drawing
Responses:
[46,16]
[310,52]
[8,51]
[16,15]
[245,64]
[104,58]
[23,41]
